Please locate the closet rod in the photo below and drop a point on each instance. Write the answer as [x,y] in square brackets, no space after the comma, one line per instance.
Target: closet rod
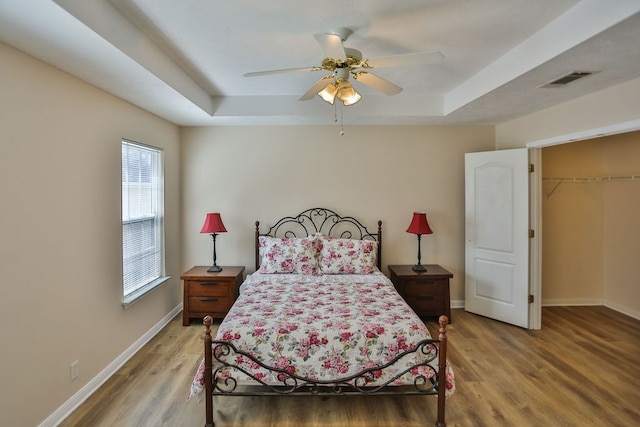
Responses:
[593,178]
[588,179]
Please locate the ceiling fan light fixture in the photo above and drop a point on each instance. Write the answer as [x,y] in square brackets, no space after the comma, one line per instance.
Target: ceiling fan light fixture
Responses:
[347,94]
[329,93]
[352,99]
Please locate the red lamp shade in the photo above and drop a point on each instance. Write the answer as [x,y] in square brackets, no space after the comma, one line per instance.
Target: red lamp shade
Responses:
[419,224]
[213,224]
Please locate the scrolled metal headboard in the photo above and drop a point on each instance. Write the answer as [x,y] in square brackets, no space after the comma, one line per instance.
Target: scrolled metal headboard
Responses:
[324,221]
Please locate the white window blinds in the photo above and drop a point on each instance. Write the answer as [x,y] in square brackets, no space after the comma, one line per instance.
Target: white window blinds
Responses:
[142,219]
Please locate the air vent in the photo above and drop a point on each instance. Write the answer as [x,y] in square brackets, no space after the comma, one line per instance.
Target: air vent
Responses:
[567,78]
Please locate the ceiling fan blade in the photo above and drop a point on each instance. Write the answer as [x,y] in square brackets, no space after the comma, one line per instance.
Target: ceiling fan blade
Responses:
[406,60]
[377,83]
[286,70]
[331,45]
[317,87]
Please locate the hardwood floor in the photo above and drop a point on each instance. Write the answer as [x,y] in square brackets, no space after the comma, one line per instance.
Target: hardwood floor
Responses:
[581,369]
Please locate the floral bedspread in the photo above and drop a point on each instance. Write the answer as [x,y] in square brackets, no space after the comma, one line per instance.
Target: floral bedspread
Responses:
[323,327]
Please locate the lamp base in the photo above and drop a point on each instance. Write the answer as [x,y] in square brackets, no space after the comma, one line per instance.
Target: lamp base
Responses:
[214,269]
[419,268]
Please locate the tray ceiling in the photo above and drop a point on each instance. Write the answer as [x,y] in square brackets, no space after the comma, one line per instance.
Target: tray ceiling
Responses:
[184,60]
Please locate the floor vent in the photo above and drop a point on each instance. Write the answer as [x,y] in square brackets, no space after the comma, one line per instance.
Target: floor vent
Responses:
[567,78]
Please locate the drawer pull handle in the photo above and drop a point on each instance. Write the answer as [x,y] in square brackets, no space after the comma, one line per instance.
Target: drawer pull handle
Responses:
[209,283]
[208,299]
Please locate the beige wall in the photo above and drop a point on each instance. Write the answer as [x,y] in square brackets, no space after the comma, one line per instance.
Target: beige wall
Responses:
[60,254]
[572,225]
[613,106]
[591,239]
[372,173]
[621,232]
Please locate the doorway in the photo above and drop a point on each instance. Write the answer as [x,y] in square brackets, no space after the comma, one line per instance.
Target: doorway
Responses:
[590,206]
[585,207]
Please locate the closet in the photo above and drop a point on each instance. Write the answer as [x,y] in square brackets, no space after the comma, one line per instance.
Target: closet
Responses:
[591,223]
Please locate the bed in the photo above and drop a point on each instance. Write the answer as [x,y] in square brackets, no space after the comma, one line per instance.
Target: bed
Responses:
[318,317]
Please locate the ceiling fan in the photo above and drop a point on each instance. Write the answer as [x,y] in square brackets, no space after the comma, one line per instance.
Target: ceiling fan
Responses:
[344,62]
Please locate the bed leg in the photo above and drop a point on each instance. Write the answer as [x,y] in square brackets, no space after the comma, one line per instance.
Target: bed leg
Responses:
[208,383]
[442,366]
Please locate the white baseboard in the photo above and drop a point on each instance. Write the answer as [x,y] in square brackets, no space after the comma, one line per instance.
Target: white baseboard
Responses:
[624,310]
[457,303]
[571,301]
[83,394]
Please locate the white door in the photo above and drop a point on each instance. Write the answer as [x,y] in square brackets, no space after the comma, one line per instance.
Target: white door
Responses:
[497,235]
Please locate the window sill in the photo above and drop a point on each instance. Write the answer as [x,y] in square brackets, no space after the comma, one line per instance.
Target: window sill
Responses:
[137,295]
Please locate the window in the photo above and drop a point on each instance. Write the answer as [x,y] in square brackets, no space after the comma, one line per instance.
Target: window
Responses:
[142,220]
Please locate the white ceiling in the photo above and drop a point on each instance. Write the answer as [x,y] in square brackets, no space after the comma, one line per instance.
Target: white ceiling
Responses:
[184,60]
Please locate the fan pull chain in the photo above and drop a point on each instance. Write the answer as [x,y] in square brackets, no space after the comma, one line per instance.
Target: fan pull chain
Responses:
[335,117]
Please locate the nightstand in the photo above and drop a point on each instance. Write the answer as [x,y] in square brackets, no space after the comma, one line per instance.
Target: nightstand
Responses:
[427,293]
[210,294]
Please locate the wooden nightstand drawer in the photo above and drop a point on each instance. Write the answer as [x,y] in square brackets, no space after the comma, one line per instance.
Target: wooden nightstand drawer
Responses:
[209,304]
[428,304]
[425,287]
[209,287]
[210,294]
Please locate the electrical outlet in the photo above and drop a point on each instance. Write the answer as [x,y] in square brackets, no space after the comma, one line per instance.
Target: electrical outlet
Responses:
[75,370]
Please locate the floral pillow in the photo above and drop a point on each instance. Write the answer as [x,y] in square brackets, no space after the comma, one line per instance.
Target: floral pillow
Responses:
[288,255]
[347,256]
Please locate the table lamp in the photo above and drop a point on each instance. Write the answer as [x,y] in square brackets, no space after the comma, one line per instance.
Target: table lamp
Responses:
[419,226]
[213,225]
